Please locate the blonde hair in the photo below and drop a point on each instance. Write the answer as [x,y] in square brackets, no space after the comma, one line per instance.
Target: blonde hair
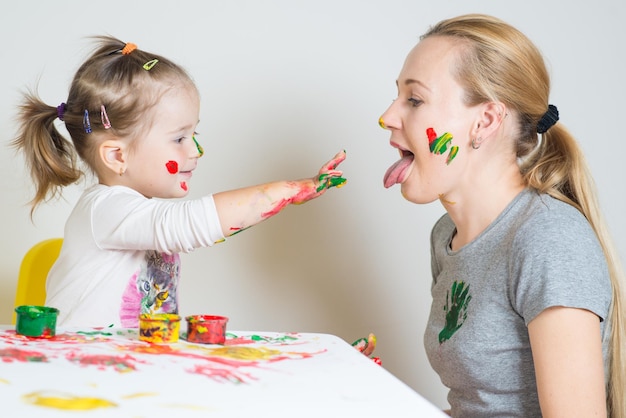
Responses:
[499,63]
[121,81]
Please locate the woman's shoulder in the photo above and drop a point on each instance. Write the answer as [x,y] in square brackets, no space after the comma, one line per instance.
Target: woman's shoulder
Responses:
[549,224]
[545,214]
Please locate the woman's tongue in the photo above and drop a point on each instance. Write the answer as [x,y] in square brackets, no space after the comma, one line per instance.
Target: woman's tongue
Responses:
[396,173]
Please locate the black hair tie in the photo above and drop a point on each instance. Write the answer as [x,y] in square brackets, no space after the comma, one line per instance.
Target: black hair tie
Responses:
[548,119]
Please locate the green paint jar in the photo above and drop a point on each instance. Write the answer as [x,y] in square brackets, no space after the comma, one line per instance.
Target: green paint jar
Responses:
[36,321]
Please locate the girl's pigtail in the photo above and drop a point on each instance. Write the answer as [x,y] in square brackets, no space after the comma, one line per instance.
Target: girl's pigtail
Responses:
[50,157]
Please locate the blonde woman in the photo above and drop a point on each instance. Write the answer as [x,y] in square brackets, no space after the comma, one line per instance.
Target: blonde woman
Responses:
[527,317]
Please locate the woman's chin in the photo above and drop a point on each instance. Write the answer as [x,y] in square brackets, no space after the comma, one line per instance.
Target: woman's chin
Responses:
[416,197]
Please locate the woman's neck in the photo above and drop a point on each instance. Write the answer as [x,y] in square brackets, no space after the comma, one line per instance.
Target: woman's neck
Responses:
[475,210]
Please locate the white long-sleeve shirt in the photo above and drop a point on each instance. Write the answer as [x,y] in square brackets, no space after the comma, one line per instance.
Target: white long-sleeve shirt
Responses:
[120,255]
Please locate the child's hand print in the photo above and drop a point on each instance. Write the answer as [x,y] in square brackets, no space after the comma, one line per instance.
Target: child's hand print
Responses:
[456,309]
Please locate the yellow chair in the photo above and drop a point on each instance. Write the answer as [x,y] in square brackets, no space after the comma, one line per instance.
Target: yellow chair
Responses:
[31,282]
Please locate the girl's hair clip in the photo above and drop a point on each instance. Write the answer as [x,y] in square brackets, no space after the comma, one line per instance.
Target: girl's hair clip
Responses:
[61,111]
[148,65]
[86,122]
[104,117]
[128,48]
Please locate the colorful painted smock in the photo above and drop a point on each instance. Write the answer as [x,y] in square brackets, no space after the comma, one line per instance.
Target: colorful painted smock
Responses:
[538,253]
[120,255]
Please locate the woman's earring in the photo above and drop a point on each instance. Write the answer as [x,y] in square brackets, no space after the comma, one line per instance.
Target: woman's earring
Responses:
[122,171]
[474,142]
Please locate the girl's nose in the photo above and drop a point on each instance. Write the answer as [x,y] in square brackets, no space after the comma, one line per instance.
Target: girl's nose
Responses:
[199,148]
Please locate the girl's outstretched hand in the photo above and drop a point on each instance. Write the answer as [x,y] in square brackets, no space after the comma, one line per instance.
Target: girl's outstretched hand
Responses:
[327,177]
[242,208]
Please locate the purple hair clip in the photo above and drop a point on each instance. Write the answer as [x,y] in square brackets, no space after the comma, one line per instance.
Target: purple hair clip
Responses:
[86,122]
[61,110]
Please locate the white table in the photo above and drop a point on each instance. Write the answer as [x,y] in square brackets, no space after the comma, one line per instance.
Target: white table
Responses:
[110,373]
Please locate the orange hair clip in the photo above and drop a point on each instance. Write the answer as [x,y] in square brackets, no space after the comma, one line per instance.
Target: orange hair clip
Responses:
[128,48]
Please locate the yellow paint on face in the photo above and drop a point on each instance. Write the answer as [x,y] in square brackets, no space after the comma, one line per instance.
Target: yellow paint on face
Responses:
[443,200]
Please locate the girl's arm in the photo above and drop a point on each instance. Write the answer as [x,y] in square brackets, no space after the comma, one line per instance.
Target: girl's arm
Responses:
[567,351]
[242,208]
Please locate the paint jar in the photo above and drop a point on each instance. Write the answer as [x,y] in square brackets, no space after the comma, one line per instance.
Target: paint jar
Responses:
[206,329]
[36,321]
[159,328]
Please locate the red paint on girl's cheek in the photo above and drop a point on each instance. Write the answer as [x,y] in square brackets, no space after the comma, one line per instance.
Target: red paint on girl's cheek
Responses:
[172,167]
[183,185]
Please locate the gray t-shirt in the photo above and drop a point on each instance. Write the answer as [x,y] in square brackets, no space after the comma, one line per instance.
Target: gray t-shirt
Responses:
[538,253]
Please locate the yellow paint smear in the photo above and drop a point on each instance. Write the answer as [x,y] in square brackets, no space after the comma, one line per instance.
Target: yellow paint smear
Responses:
[140,395]
[245,353]
[442,197]
[66,401]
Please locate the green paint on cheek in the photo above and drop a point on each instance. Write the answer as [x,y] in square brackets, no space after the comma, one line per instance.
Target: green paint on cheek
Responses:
[453,152]
[439,145]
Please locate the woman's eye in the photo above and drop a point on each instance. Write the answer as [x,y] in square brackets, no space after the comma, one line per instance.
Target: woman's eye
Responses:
[415,102]
[179,140]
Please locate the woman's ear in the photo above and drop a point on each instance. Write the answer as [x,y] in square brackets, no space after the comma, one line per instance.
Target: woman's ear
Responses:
[113,155]
[489,120]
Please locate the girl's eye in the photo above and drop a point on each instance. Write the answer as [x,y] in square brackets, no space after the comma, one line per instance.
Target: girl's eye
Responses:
[415,102]
[182,138]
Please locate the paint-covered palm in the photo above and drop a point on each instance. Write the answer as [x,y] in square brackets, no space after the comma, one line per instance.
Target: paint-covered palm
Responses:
[327,177]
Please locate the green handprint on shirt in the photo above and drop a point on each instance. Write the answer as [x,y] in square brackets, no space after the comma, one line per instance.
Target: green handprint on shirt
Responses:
[456,309]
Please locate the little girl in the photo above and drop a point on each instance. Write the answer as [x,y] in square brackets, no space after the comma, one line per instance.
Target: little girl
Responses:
[131,116]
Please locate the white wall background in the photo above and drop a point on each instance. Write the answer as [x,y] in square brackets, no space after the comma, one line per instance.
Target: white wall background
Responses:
[285,85]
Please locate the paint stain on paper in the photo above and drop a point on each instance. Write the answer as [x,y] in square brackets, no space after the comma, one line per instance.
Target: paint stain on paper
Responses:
[9,355]
[66,401]
[122,364]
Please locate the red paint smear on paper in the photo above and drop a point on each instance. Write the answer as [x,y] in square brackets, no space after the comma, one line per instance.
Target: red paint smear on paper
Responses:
[11,337]
[221,374]
[125,363]
[238,341]
[9,355]
[183,185]
[172,167]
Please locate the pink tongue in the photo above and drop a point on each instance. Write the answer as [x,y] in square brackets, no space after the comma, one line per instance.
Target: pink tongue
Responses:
[395,173]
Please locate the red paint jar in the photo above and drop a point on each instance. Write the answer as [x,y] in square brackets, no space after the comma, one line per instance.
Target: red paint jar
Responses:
[206,329]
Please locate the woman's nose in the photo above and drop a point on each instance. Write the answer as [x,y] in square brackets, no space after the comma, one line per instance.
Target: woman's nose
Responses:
[389,119]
